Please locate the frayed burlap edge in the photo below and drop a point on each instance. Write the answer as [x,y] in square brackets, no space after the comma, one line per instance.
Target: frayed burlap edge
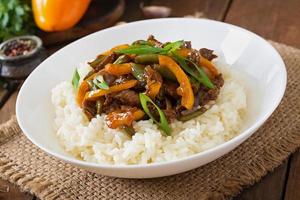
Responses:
[229,185]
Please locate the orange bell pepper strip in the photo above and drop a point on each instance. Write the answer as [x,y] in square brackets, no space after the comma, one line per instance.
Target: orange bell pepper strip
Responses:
[183,52]
[82,90]
[188,98]
[58,15]
[122,118]
[208,65]
[153,89]
[94,95]
[119,47]
[118,69]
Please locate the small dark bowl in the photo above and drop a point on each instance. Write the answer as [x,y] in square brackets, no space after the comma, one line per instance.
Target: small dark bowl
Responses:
[20,66]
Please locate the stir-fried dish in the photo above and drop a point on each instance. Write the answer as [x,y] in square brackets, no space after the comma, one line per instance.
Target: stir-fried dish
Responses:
[149,79]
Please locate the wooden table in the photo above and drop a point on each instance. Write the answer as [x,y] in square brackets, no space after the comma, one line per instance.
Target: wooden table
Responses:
[272,19]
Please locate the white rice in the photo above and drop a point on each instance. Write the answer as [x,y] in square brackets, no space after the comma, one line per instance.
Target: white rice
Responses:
[94,142]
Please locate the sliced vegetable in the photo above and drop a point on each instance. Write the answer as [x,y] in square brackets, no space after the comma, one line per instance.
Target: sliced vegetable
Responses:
[163,123]
[100,82]
[122,59]
[165,72]
[75,79]
[82,90]
[192,115]
[121,118]
[97,61]
[99,106]
[138,71]
[153,89]
[146,59]
[147,49]
[129,130]
[203,77]
[173,46]
[142,42]
[94,95]
[118,69]
[141,49]
[208,65]
[187,99]
[115,49]
[200,76]
[183,52]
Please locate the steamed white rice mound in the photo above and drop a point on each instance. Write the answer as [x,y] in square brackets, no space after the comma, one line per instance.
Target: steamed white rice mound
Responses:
[95,142]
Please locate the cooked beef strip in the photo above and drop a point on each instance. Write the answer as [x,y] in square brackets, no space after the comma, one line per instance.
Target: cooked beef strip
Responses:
[109,79]
[156,43]
[194,56]
[170,89]
[123,78]
[127,97]
[114,105]
[207,53]
[170,114]
[89,109]
[109,59]
[188,44]
[151,74]
[207,95]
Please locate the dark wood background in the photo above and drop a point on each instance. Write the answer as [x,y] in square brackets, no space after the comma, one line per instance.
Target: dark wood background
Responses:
[276,20]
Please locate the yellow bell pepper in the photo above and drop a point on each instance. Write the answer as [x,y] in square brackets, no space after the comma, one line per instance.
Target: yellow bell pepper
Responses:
[82,90]
[185,88]
[58,15]
[117,119]
[94,95]
[118,69]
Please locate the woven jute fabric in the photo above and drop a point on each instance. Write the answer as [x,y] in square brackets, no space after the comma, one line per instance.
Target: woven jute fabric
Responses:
[32,170]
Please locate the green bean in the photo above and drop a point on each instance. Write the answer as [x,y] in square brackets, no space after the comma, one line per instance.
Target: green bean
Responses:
[192,115]
[97,61]
[146,59]
[165,72]
[141,42]
[99,106]
[122,59]
[138,71]
[129,130]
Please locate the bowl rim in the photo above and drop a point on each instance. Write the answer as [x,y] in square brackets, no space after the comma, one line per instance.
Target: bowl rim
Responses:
[248,132]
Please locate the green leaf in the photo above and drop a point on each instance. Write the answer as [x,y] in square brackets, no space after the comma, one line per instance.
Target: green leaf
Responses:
[5,20]
[75,80]
[19,10]
[163,124]
[16,18]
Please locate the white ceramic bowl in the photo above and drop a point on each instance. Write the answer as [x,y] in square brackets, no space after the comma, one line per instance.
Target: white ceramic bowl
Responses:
[264,70]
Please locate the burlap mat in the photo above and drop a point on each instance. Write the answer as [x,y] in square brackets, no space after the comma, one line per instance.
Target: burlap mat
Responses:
[48,178]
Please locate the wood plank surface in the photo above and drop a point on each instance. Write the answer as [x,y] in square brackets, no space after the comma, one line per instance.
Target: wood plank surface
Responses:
[293,183]
[271,187]
[210,9]
[272,19]
[279,21]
